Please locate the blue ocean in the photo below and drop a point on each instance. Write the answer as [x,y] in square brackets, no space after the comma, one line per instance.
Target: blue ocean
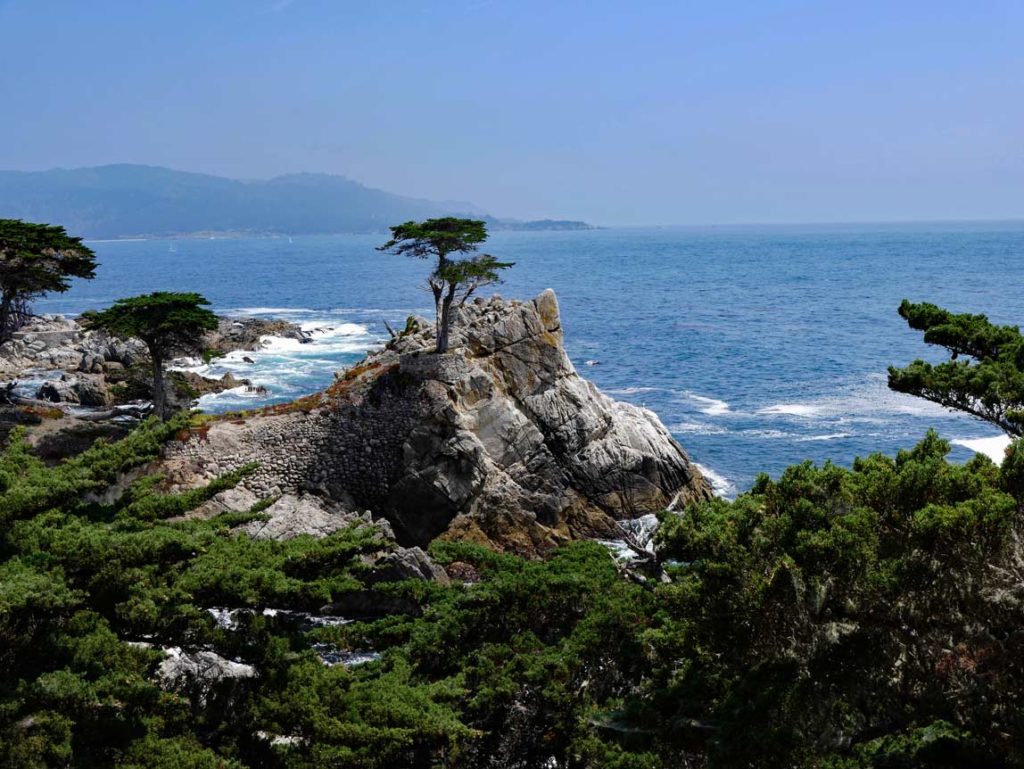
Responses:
[758,347]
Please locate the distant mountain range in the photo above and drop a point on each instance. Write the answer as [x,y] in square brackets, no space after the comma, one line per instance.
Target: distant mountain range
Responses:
[120,201]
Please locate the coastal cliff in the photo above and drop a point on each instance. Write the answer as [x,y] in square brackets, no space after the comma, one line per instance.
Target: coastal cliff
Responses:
[499,441]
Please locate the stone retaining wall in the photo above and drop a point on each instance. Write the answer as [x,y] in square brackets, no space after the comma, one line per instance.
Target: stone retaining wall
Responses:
[446,367]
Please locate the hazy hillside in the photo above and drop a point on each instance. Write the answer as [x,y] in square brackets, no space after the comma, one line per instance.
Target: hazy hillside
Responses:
[124,200]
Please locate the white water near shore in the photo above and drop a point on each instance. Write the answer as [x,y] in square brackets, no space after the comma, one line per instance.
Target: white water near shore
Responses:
[285,368]
[994,447]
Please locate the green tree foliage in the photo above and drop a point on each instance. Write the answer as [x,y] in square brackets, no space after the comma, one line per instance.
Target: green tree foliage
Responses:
[538,649]
[452,280]
[82,581]
[36,259]
[832,618]
[169,324]
[985,374]
[864,617]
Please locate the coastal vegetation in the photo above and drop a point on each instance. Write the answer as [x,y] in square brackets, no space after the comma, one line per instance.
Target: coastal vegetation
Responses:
[984,376]
[36,259]
[844,618]
[829,618]
[168,323]
[452,281]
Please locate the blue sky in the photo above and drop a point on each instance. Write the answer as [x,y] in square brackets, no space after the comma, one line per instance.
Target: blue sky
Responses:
[615,112]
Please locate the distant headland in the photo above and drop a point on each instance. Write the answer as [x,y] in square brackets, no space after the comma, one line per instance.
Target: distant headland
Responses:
[125,201]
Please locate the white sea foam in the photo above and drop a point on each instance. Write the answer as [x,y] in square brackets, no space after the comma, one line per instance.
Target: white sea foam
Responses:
[619,550]
[994,447]
[721,485]
[330,328]
[278,345]
[232,394]
[827,437]
[768,433]
[269,311]
[285,367]
[713,407]
[632,390]
[793,409]
[234,399]
[869,402]
[697,428]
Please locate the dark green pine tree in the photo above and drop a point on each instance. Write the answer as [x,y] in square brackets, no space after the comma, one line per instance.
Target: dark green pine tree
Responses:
[168,323]
[36,259]
[452,280]
[984,375]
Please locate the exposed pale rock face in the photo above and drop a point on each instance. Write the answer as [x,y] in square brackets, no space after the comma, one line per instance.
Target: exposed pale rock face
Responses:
[54,342]
[233,500]
[499,441]
[292,516]
[180,667]
[200,674]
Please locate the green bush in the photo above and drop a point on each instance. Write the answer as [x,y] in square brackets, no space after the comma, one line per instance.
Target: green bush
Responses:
[863,617]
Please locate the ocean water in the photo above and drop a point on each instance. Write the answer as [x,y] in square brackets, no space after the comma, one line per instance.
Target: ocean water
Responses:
[758,347]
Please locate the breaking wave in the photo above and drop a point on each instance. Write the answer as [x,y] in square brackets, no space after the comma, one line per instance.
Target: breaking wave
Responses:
[284,368]
[711,406]
[993,447]
[721,485]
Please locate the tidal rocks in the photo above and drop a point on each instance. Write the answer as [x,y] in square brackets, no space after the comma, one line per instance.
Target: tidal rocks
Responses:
[82,389]
[53,342]
[247,333]
[93,361]
[500,441]
[200,385]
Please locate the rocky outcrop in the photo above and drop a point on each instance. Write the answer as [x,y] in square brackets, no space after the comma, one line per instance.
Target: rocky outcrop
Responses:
[499,441]
[56,343]
[94,369]
[404,564]
[201,385]
[292,516]
[82,389]
[201,675]
[247,334]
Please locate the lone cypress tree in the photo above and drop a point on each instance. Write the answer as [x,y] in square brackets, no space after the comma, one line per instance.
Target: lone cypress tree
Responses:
[36,259]
[168,323]
[452,280]
[984,376]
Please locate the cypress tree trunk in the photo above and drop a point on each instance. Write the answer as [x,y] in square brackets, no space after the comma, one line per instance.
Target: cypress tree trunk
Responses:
[439,331]
[437,286]
[159,387]
[445,316]
[6,326]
